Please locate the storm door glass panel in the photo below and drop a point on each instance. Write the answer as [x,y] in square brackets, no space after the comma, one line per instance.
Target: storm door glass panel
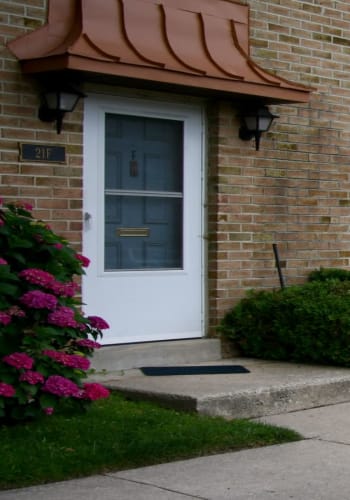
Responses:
[143,193]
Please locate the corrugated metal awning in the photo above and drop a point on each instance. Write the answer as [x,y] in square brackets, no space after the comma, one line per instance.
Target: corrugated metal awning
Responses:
[201,46]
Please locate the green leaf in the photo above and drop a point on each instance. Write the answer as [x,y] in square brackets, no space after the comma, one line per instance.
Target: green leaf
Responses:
[49,331]
[31,389]
[7,289]
[6,274]
[47,400]
[18,412]
[21,397]
[7,377]
[18,257]
[4,304]
[17,242]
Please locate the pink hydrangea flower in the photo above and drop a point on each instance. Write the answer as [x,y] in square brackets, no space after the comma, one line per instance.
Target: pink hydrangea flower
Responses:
[3,262]
[2,223]
[95,391]
[56,355]
[37,277]
[62,316]
[59,246]
[23,204]
[79,362]
[68,289]
[71,360]
[32,377]
[97,322]
[19,360]
[61,386]
[39,238]
[91,344]
[16,311]
[27,206]
[7,390]
[5,318]
[49,410]
[39,300]
[81,326]
[84,260]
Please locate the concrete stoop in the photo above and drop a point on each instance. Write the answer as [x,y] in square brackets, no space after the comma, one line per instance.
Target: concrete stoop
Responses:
[270,388]
[129,356]
[276,400]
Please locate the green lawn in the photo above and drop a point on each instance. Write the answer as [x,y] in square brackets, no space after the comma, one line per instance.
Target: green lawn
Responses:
[117,434]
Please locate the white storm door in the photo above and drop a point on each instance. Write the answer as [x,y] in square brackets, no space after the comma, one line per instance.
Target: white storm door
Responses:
[143,218]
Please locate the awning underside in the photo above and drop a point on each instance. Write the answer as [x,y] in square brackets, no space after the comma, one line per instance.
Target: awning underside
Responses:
[197,44]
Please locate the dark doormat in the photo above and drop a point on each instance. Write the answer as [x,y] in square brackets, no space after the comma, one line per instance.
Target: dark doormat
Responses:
[157,371]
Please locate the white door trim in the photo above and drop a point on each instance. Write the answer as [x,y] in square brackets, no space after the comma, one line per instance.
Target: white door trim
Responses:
[192,115]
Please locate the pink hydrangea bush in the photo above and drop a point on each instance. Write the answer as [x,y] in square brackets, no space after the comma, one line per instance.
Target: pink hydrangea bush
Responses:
[45,339]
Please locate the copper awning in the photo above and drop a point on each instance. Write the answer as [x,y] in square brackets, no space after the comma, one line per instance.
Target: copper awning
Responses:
[198,45]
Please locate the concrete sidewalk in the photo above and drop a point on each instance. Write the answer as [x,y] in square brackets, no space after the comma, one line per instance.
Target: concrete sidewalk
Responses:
[316,468]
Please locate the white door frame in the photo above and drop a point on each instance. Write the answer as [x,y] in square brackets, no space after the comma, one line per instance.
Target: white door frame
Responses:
[94,173]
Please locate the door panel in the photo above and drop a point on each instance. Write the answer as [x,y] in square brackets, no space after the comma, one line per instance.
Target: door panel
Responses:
[143,212]
[138,227]
[143,194]
[130,139]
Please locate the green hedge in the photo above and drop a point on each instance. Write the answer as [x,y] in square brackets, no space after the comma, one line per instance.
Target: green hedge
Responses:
[308,323]
[324,274]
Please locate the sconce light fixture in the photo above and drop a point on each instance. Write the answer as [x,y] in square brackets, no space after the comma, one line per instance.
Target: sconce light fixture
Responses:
[58,101]
[254,123]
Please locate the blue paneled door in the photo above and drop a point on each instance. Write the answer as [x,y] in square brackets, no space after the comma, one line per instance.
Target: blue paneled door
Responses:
[143,218]
[143,193]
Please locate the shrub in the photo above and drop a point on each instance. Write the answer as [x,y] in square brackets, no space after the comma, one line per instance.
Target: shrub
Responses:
[307,323]
[324,274]
[45,339]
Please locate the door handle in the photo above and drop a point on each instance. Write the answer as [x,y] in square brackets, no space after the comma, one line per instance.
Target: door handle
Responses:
[87,216]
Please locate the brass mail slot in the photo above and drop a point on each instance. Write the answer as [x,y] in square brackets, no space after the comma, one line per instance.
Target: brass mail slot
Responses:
[133,231]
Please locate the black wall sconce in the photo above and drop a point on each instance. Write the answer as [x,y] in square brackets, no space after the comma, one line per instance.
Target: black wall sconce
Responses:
[254,123]
[58,101]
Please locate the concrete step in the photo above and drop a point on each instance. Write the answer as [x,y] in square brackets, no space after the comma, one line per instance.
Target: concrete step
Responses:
[270,388]
[128,356]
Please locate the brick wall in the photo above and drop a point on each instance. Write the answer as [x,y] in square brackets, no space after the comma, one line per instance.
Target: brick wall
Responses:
[295,190]
[54,190]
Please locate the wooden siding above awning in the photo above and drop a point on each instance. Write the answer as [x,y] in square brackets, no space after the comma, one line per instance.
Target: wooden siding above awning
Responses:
[198,45]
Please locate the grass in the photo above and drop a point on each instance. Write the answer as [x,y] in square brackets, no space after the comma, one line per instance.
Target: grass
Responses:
[117,434]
